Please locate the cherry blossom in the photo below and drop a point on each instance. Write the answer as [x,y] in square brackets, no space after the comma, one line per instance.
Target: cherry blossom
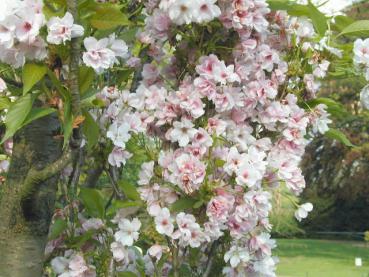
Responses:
[61,30]
[182,132]
[128,231]
[102,54]
[361,51]
[164,223]
[236,255]
[303,211]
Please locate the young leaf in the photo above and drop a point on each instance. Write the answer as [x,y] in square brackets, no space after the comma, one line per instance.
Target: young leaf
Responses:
[129,190]
[359,28]
[338,135]
[17,114]
[108,17]
[90,129]
[183,204]
[93,201]
[57,228]
[86,78]
[31,74]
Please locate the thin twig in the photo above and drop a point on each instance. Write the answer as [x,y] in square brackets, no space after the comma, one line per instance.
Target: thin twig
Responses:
[209,263]
[113,180]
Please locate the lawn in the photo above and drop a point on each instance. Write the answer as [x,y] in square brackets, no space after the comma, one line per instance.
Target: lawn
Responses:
[321,258]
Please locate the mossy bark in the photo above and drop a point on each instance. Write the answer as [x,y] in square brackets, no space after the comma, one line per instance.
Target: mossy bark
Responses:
[24,223]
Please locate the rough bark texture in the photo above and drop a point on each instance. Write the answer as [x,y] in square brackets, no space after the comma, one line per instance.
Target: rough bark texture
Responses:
[24,223]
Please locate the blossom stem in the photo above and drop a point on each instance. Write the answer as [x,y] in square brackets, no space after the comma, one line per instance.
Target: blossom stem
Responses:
[175,262]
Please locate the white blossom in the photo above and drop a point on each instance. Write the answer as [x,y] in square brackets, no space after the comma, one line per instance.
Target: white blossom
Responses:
[63,29]
[303,211]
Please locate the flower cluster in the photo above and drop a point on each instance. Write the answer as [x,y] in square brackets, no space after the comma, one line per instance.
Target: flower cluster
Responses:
[20,24]
[72,264]
[187,11]
[221,127]
[228,133]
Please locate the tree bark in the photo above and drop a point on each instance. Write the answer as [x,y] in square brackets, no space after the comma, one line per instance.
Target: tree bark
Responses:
[24,222]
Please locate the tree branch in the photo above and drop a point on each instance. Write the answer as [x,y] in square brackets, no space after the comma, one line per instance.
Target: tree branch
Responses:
[75,52]
[35,177]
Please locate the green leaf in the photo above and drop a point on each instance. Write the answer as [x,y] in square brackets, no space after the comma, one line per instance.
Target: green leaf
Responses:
[64,93]
[129,36]
[338,135]
[334,108]
[341,22]
[276,5]
[31,74]
[219,162]
[129,190]
[90,129]
[37,113]
[86,78]
[183,204]
[126,274]
[57,228]
[108,17]
[78,241]
[358,28]
[318,18]
[124,75]
[119,204]
[17,114]
[198,204]
[93,201]
[4,103]
[185,270]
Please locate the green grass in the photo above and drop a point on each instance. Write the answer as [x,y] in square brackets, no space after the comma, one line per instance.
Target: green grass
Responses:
[321,258]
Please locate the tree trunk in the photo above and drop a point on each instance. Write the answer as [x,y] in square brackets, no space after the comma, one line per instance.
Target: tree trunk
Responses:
[24,223]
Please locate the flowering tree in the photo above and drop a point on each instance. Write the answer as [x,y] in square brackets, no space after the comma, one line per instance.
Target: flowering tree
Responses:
[214,100]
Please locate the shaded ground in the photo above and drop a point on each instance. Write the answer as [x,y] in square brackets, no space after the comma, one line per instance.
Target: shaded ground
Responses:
[321,258]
